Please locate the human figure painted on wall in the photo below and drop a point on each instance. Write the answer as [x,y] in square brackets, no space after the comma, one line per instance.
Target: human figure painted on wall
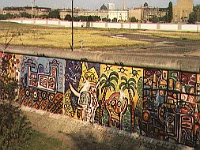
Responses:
[116,106]
[87,101]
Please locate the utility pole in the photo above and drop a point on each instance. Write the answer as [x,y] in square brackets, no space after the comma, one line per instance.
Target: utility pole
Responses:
[33,5]
[72,47]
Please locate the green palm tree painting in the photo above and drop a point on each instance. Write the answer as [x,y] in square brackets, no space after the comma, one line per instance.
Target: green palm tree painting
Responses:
[130,85]
[106,83]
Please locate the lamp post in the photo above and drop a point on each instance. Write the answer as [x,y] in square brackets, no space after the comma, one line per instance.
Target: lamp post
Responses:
[72,25]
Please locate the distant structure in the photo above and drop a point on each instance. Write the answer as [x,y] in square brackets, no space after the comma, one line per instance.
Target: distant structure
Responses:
[37,11]
[108,12]
[33,5]
[103,7]
[111,6]
[124,4]
[182,10]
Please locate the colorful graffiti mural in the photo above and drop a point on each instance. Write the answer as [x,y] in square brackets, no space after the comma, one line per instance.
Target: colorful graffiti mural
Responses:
[170,106]
[162,104]
[81,99]
[9,72]
[41,83]
[119,96]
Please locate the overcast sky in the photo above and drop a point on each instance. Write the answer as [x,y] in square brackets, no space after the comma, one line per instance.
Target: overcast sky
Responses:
[87,4]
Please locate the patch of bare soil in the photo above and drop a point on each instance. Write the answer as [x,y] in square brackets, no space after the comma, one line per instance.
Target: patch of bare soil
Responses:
[79,135]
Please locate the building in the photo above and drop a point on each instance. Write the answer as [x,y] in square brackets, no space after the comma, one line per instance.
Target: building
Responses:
[36,11]
[137,13]
[111,6]
[120,15]
[64,12]
[150,12]
[182,10]
[101,13]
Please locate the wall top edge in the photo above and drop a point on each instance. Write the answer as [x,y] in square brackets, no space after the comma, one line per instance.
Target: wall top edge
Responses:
[181,63]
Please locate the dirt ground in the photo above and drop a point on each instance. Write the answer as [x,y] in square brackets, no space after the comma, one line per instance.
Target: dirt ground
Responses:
[179,47]
[79,135]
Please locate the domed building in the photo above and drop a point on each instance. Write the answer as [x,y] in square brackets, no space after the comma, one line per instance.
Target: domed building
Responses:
[103,7]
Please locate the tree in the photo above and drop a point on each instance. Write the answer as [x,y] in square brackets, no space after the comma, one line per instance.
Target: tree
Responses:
[106,83]
[90,18]
[170,12]
[130,85]
[68,17]
[154,19]
[106,19]
[25,15]
[192,18]
[195,15]
[6,16]
[54,14]
[114,20]
[133,19]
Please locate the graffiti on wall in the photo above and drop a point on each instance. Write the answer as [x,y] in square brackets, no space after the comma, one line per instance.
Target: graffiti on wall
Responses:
[9,71]
[81,99]
[170,106]
[119,96]
[162,104]
[41,83]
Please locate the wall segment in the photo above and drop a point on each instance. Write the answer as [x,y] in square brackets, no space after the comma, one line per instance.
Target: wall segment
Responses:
[154,96]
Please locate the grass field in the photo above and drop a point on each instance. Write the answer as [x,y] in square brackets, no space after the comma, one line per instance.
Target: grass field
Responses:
[60,37]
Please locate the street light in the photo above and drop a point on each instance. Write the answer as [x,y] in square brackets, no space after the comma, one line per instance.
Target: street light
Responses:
[72,47]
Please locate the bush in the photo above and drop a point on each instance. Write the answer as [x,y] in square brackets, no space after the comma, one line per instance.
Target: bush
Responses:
[15,128]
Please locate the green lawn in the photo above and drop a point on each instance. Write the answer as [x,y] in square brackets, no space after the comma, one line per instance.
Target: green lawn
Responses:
[40,141]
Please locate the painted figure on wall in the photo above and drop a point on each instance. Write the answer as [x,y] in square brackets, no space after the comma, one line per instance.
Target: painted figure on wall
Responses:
[116,106]
[119,96]
[82,100]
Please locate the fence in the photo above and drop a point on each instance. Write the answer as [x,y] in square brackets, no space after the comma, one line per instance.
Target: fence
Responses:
[144,26]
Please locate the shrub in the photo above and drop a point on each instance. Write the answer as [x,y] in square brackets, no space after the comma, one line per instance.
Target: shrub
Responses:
[15,128]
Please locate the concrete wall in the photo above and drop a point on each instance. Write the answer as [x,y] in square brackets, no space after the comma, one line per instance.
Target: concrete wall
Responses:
[158,99]
[170,27]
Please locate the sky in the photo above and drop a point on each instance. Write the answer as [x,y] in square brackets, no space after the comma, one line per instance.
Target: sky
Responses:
[88,4]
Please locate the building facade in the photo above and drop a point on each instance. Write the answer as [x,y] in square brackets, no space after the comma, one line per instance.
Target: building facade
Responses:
[137,13]
[111,6]
[36,11]
[182,10]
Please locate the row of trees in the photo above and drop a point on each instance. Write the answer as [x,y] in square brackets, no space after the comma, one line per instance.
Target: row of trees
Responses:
[82,18]
[195,15]
[53,14]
